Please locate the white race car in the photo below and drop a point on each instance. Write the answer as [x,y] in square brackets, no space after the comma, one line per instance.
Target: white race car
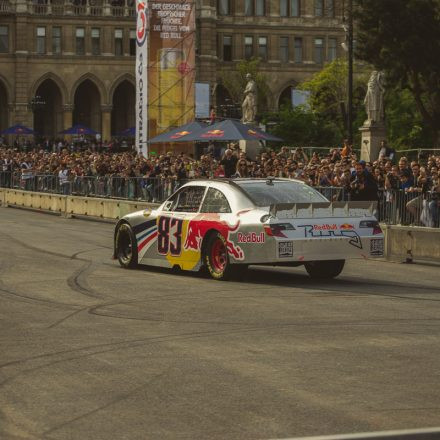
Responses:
[225,224]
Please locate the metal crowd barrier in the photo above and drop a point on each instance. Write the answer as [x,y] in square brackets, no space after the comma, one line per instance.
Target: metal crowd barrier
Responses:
[395,207]
[150,189]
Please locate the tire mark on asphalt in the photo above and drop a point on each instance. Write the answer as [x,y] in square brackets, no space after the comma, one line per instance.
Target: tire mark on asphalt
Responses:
[106,405]
[126,345]
[36,249]
[78,281]
[70,315]
[75,255]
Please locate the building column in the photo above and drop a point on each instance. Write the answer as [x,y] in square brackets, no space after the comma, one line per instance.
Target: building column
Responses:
[106,124]
[67,119]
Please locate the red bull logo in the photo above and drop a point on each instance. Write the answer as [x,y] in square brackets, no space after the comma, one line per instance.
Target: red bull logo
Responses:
[202,223]
[252,237]
[180,134]
[254,133]
[325,227]
[346,226]
[213,133]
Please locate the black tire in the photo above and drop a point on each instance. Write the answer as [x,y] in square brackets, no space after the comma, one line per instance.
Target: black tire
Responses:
[126,247]
[324,269]
[215,257]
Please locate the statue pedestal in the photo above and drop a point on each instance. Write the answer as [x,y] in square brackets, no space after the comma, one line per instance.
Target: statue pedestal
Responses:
[372,135]
[251,148]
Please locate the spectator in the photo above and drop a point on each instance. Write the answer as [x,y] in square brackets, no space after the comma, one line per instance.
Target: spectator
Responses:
[363,186]
[229,163]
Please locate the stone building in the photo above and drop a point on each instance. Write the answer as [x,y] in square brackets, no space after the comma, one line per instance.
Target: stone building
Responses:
[64,62]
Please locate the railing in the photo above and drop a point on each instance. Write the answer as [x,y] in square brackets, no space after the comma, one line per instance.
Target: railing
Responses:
[96,8]
[395,207]
[150,189]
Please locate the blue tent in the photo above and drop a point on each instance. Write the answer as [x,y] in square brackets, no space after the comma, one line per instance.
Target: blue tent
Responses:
[179,134]
[79,129]
[128,132]
[18,130]
[231,130]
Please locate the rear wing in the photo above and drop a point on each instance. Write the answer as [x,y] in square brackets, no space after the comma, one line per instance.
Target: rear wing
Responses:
[322,210]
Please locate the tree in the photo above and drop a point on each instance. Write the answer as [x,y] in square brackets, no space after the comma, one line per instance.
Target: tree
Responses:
[328,90]
[235,82]
[402,38]
[300,127]
[404,123]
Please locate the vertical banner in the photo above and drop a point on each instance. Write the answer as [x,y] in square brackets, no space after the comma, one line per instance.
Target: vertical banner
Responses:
[142,29]
[171,69]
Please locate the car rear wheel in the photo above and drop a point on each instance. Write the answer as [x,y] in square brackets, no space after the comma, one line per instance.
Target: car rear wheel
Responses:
[324,269]
[215,257]
[126,247]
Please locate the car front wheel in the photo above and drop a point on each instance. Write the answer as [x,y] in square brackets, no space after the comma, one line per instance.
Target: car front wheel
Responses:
[324,269]
[126,247]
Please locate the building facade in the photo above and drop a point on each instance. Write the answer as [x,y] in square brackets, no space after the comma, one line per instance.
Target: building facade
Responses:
[64,62]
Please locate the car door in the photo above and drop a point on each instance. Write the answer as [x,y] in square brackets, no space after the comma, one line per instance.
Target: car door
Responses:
[174,228]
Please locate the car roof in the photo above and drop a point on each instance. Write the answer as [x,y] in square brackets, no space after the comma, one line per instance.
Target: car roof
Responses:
[239,180]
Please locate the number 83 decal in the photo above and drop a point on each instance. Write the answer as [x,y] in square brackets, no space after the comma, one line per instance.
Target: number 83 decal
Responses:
[169,236]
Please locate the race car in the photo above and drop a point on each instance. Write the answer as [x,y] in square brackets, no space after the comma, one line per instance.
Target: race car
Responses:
[224,225]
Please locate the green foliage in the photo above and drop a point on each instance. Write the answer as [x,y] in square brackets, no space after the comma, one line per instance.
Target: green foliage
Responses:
[300,127]
[235,82]
[328,89]
[402,38]
[405,125]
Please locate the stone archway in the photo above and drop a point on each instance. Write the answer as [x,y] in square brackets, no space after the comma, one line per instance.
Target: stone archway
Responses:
[48,116]
[3,107]
[285,98]
[226,108]
[87,105]
[123,107]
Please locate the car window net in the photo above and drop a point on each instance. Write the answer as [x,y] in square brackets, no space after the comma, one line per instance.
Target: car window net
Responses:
[265,194]
[215,201]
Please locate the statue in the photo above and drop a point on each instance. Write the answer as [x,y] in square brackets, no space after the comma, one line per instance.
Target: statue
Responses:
[249,105]
[374,98]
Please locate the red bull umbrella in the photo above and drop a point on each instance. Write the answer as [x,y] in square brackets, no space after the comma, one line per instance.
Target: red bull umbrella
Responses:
[19,130]
[79,129]
[231,130]
[179,134]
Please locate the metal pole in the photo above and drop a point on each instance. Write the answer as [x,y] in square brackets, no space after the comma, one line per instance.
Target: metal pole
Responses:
[350,72]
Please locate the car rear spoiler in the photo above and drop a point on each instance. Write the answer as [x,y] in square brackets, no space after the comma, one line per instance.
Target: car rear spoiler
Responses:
[321,210]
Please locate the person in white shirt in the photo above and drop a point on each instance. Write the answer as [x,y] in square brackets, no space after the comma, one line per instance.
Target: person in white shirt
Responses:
[63,178]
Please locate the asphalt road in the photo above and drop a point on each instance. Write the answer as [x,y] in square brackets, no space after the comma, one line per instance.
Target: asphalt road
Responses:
[92,351]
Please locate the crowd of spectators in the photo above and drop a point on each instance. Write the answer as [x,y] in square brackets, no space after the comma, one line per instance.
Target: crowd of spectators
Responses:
[417,180]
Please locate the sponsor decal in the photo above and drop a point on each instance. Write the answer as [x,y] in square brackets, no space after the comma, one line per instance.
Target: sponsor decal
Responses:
[146,233]
[142,23]
[311,231]
[180,134]
[376,246]
[325,227]
[346,226]
[213,133]
[184,68]
[254,133]
[285,249]
[251,237]
[202,223]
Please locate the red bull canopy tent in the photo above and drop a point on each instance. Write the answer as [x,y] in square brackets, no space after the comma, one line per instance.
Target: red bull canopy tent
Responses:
[179,134]
[230,130]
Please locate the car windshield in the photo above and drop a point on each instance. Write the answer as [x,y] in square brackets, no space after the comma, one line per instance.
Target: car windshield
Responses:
[265,193]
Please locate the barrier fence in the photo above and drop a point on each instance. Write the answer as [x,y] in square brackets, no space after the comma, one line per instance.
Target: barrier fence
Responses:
[395,207]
